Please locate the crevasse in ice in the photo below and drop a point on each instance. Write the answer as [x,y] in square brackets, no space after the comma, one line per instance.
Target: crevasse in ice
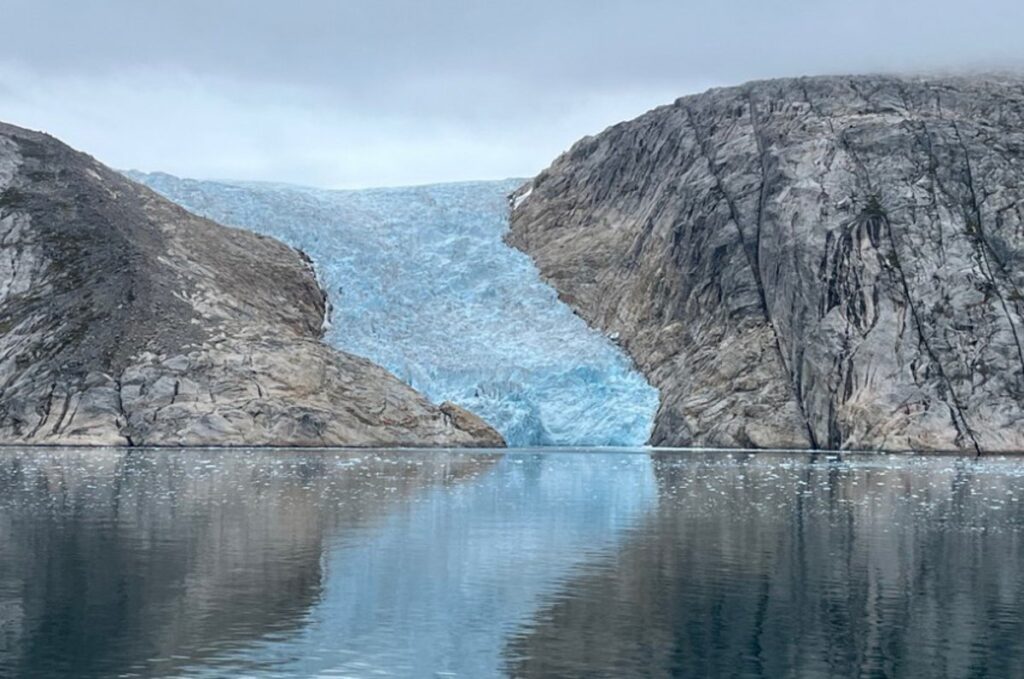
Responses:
[421,282]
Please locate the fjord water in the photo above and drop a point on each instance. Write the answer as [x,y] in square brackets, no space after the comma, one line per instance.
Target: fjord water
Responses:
[524,563]
[421,282]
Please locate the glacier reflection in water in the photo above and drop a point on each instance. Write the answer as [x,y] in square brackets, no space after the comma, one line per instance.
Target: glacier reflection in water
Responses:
[422,283]
[444,581]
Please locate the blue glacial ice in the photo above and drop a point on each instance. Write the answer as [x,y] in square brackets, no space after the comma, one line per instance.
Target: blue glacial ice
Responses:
[421,283]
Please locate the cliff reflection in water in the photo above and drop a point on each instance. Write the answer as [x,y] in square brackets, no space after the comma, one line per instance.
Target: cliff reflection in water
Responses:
[788,565]
[148,562]
[576,564]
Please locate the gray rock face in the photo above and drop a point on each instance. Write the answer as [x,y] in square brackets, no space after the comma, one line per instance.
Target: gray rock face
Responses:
[127,320]
[819,262]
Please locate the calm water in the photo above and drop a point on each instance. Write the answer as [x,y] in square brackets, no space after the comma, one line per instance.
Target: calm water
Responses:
[528,564]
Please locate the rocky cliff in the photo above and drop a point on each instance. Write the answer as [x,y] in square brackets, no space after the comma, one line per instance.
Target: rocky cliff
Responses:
[125,319]
[817,262]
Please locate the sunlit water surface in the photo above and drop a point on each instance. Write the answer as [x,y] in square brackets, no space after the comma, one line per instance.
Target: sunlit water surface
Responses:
[528,564]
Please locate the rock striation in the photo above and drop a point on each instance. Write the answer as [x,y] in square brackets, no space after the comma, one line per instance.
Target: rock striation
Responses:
[832,262]
[125,320]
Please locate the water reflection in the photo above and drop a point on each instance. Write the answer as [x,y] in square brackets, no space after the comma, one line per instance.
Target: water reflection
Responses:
[146,563]
[435,563]
[440,584]
[771,566]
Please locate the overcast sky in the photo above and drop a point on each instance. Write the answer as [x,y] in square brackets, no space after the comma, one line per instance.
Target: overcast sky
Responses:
[353,93]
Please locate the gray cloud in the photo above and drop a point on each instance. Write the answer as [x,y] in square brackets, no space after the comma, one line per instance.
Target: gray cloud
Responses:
[381,92]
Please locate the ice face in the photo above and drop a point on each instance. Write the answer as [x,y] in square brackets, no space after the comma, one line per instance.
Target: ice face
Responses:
[421,282]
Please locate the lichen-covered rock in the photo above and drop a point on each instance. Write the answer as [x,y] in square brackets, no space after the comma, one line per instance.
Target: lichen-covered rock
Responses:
[816,262]
[125,319]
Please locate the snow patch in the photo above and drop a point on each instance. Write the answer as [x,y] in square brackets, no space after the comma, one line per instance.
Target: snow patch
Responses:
[521,198]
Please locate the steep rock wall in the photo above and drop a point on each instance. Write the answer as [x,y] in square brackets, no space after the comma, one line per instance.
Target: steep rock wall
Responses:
[817,262]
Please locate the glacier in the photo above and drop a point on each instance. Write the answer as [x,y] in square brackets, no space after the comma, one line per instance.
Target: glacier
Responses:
[421,282]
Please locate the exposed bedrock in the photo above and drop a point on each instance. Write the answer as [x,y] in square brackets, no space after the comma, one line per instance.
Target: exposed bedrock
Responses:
[817,262]
[125,319]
